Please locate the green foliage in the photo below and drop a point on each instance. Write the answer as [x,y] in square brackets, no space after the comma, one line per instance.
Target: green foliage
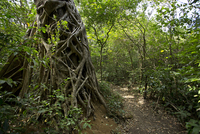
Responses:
[10,119]
[15,18]
[169,62]
[10,82]
[70,121]
[17,114]
[100,18]
[114,101]
[193,126]
[174,78]
[116,32]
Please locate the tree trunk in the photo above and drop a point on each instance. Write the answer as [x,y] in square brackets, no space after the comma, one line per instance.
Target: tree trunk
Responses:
[132,66]
[69,55]
[64,45]
[101,60]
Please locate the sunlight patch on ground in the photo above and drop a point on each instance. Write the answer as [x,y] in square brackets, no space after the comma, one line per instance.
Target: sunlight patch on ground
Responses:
[141,101]
[128,97]
[124,89]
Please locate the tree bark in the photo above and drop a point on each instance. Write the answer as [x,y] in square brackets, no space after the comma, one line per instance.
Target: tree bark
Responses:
[64,47]
[68,55]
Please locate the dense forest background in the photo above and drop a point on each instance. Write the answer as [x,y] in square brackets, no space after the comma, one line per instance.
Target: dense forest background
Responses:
[153,45]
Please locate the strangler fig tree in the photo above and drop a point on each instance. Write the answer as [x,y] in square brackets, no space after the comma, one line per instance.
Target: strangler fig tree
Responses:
[63,44]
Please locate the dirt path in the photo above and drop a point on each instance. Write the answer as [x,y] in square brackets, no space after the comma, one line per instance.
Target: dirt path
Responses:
[145,118]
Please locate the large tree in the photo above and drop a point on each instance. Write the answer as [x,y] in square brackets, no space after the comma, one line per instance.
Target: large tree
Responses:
[63,45]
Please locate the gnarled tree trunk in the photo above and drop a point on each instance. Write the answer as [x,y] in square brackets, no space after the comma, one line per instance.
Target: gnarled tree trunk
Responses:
[64,43]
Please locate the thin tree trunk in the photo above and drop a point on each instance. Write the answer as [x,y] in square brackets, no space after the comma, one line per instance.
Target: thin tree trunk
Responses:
[101,60]
[132,68]
[170,53]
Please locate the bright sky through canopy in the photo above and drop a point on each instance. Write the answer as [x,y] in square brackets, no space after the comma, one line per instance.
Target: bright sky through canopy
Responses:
[182,1]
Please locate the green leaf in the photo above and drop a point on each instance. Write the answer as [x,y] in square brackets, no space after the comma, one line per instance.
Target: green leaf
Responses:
[42,111]
[85,125]
[15,53]
[2,82]
[9,82]
[35,51]
[196,130]
[193,122]
[43,30]
[24,112]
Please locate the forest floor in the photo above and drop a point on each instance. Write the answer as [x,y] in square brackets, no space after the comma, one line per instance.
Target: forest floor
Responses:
[144,117]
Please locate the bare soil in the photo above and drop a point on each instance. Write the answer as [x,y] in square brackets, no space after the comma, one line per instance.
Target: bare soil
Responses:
[141,117]
[102,124]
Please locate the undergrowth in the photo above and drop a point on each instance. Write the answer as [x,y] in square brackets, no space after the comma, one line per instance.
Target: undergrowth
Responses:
[113,100]
[178,94]
[18,115]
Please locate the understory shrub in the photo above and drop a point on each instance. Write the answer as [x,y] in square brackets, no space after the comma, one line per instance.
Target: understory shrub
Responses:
[113,100]
[18,114]
[178,94]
